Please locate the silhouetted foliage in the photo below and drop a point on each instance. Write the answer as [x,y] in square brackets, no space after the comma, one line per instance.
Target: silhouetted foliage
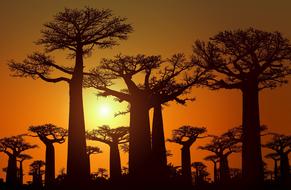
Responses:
[112,137]
[186,135]
[281,144]
[92,150]
[222,147]
[13,147]
[200,172]
[49,134]
[163,81]
[249,60]
[214,159]
[275,157]
[37,172]
[79,31]
[21,159]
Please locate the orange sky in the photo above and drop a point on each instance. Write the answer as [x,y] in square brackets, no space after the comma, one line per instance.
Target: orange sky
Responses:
[160,27]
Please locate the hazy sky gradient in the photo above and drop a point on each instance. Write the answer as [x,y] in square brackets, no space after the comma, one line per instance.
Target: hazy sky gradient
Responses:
[160,27]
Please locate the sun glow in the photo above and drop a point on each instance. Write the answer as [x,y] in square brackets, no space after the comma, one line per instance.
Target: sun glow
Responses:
[105,110]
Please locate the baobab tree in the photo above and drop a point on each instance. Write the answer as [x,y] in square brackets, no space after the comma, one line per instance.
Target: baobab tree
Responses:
[13,147]
[214,159]
[37,172]
[49,134]
[79,31]
[112,137]
[222,147]
[248,60]
[92,150]
[275,157]
[186,135]
[21,159]
[281,144]
[199,172]
[163,81]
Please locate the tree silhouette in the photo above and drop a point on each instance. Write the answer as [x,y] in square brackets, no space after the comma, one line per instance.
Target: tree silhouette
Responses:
[112,137]
[275,157]
[21,159]
[281,144]
[92,150]
[49,134]
[13,147]
[102,172]
[214,159]
[222,147]
[79,31]
[160,85]
[37,172]
[186,135]
[248,60]
[199,172]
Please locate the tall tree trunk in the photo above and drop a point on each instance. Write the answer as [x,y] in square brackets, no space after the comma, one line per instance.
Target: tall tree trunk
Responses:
[276,170]
[224,170]
[115,165]
[11,175]
[21,172]
[284,169]
[186,165]
[159,157]
[49,165]
[252,164]
[139,141]
[215,172]
[77,164]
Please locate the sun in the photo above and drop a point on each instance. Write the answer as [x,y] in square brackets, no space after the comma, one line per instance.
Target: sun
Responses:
[105,110]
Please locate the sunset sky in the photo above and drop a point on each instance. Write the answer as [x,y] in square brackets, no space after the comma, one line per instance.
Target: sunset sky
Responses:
[161,27]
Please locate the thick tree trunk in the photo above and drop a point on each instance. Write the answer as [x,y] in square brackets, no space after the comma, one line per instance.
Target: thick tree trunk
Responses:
[252,164]
[11,175]
[139,142]
[159,157]
[21,173]
[284,169]
[276,170]
[49,165]
[77,164]
[224,170]
[186,165]
[115,165]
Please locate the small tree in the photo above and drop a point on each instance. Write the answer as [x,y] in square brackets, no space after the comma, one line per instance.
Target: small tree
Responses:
[281,144]
[214,159]
[199,172]
[92,150]
[248,60]
[13,147]
[21,159]
[112,137]
[49,134]
[275,157]
[186,135]
[37,172]
[78,31]
[102,172]
[222,147]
